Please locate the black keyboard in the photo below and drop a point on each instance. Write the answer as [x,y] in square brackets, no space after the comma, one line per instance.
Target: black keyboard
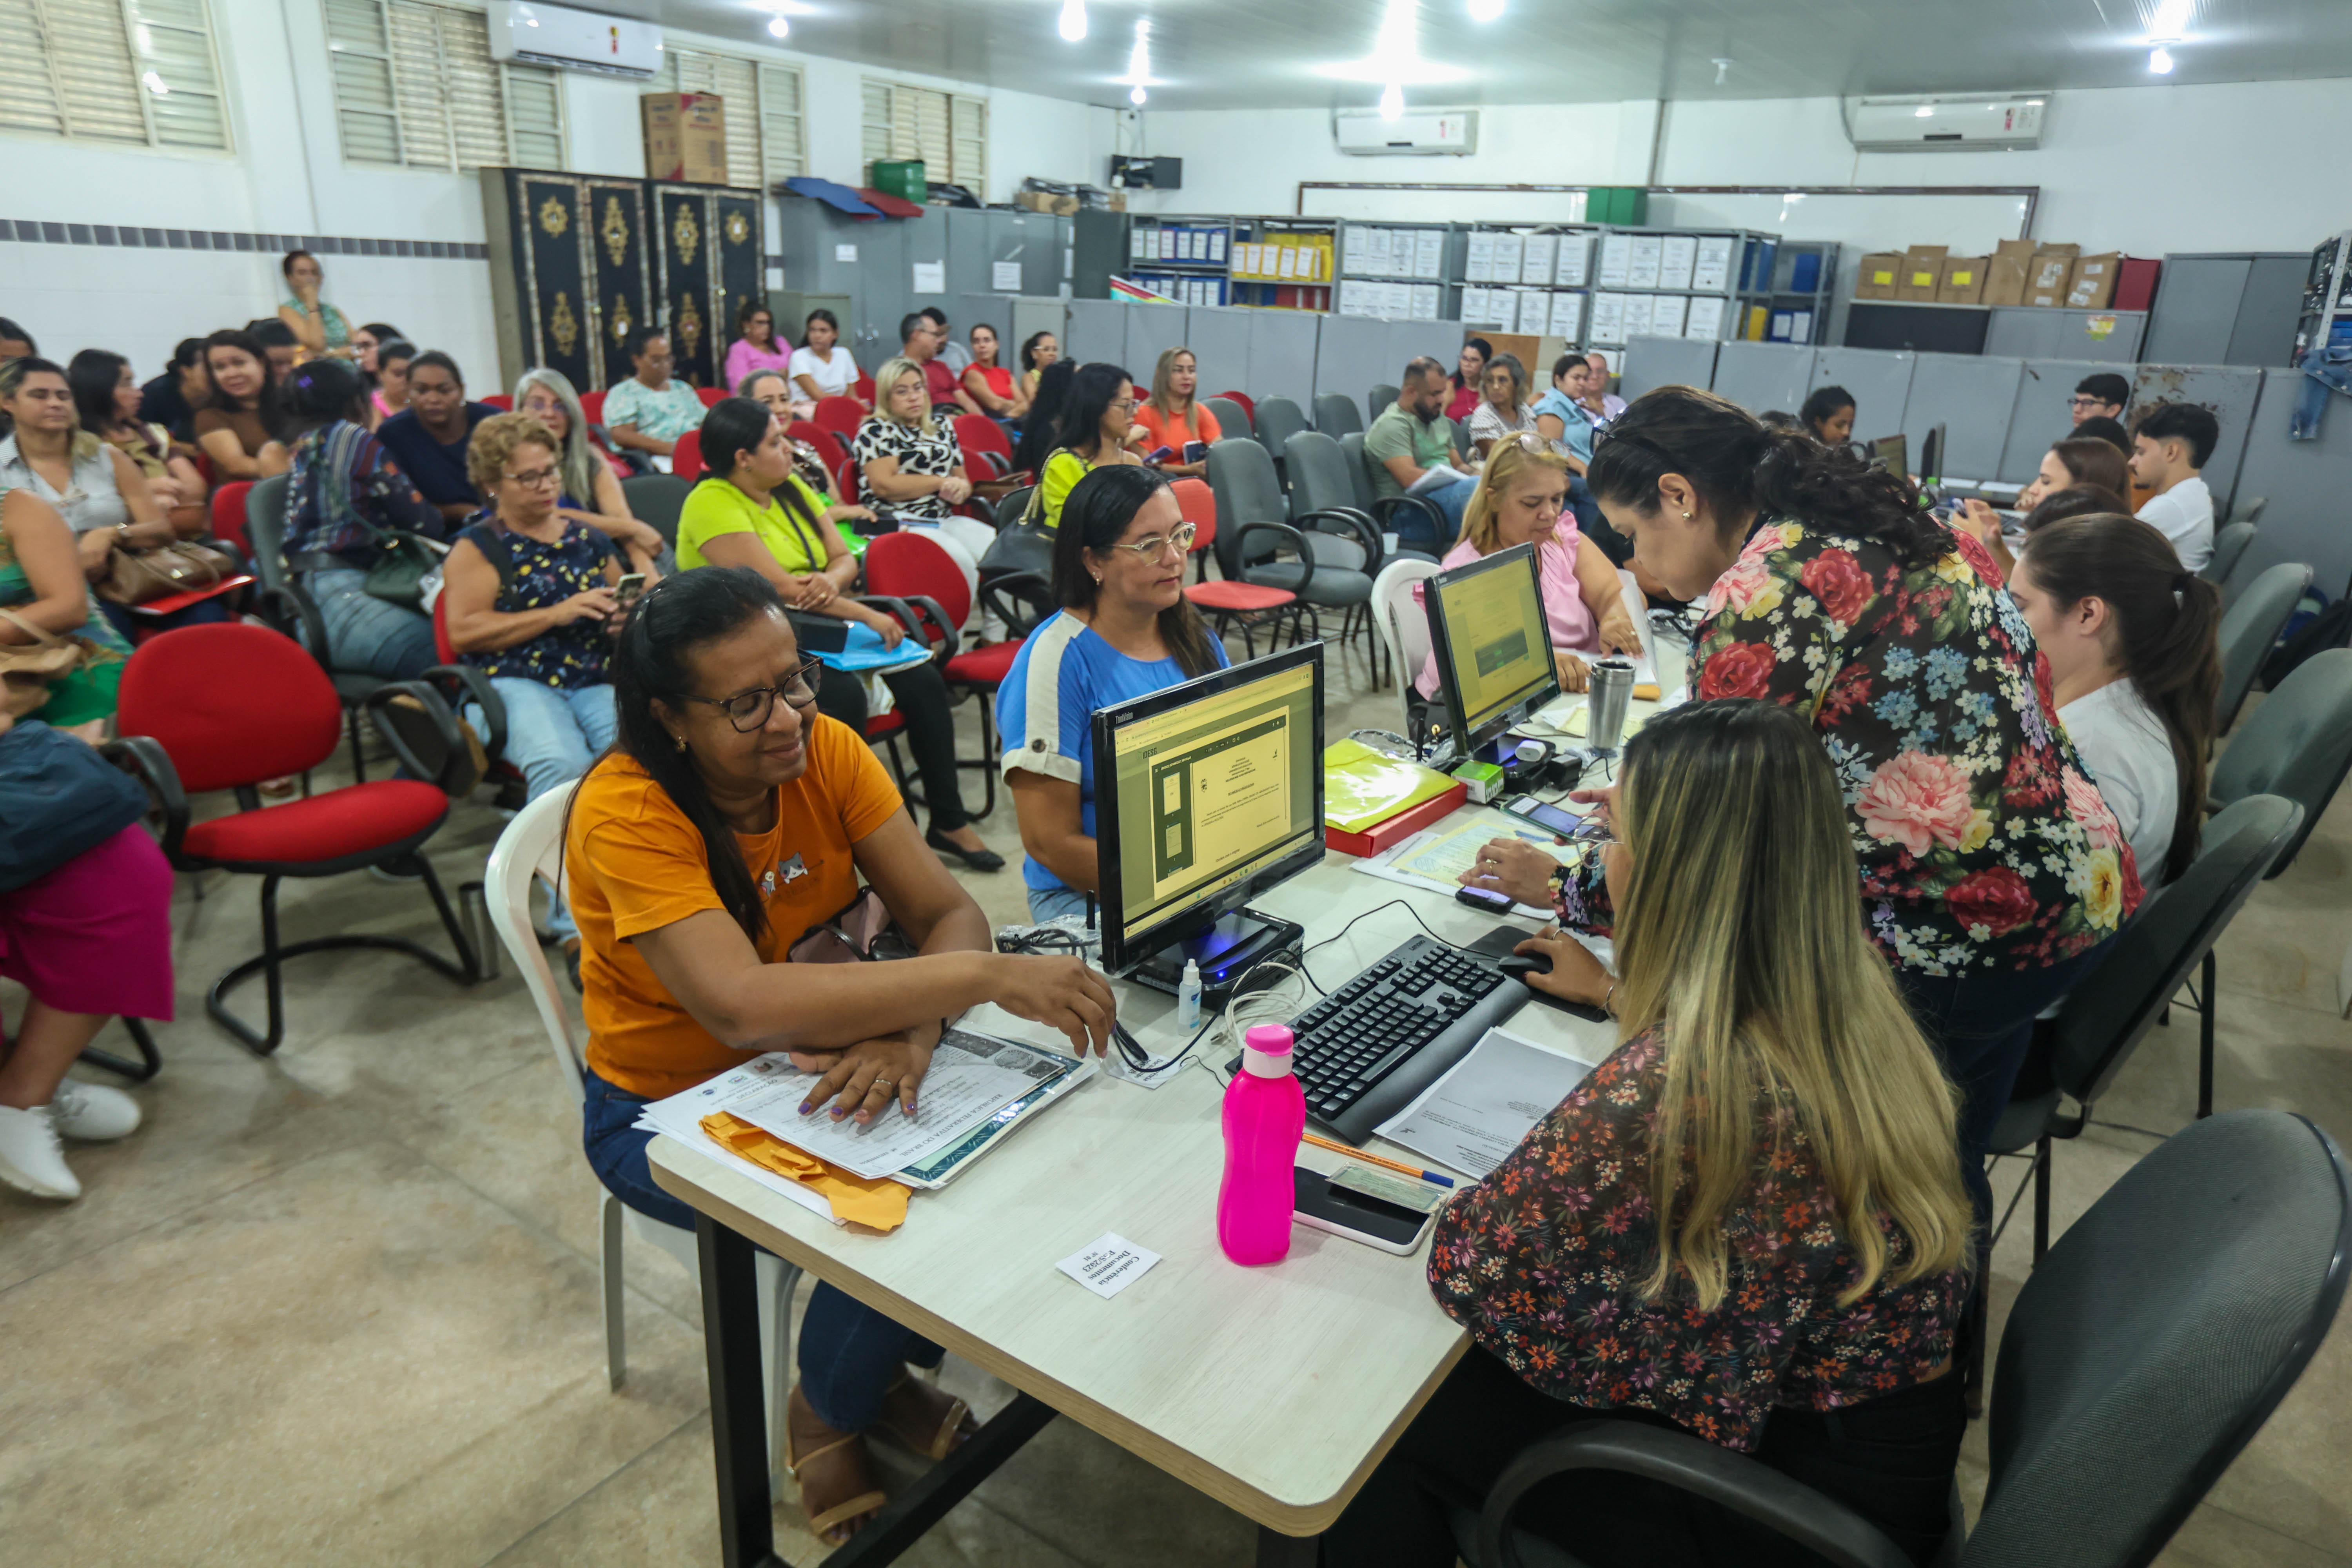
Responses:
[1364,1052]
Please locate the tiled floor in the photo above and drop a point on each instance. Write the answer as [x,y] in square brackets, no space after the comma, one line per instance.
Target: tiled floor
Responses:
[342,1305]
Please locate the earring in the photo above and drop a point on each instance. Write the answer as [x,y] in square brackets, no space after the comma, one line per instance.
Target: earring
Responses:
[680,739]
[1685,517]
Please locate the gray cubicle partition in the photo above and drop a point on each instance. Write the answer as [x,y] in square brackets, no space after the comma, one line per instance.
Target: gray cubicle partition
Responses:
[2226,308]
[1352,356]
[2041,415]
[2110,337]
[1440,341]
[1880,381]
[2306,509]
[1150,329]
[1667,362]
[1028,313]
[1761,376]
[1219,340]
[2229,391]
[1971,396]
[1282,355]
[1098,331]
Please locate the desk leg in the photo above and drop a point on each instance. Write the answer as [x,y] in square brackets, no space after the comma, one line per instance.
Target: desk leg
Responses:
[1275,1549]
[739,1440]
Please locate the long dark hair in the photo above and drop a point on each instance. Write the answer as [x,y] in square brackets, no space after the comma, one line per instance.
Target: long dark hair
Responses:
[734,426]
[2074,501]
[1037,431]
[1823,402]
[2165,623]
[268,403]
[1099,510]
[1486,356]
[92,375]
[1029,350]
[676,617]
[828,317]
[1091,391]
[320,392]
[1747,473]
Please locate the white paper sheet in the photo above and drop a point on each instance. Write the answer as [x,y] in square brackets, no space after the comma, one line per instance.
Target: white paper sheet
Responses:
[1470,1120]
[1109,1265]
[1435,858]
[930,276]
[1006,276]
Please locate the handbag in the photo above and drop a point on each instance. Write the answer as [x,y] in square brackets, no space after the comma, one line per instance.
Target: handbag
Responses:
[863,932]
[398,577]
[26,672]
[139,576]
[58,799]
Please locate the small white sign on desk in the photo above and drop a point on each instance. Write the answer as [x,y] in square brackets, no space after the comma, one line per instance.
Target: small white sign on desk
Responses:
[1109,1265]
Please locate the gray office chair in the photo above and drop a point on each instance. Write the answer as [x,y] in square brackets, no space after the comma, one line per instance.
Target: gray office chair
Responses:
[2076,1055]
[266,498]
[1378,401]
[657,500]
[1233,419]
[2228,548]
[1336,416]
[1423,521]
[287,607]
[2298,744]
[2249,628]
[1278,419]
[2249,511]
[2141,1358]
[1252,530]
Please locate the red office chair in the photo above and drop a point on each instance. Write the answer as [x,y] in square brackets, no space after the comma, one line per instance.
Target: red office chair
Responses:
[228,514]
[711,395]
[460,683]
[987,452]
[842,416]
[591,404]
[226,707]
[1248,406]
[500,400]
[1223,600]
[686,458]
[913,569]
[865,390]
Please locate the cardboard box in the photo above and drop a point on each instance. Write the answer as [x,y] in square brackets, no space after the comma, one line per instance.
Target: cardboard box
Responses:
[2091,282]
[1042,201]
[1922,274]
[2052,270]
[1963,281]
[1875,280]
[686,137]
[2005,274]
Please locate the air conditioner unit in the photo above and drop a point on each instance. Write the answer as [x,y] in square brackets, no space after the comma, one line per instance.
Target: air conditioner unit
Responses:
[535,34]
[1943,122]
[1442,132]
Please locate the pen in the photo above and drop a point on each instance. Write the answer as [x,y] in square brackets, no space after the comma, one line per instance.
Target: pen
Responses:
[1378,1160]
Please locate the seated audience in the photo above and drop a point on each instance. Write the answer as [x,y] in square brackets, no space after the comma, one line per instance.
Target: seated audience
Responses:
[1095,423]
[1560,421]
[2078,461]
[172,398]
[750,510]
[648,410]
[393,358]
[428,439]
[317,326]
[241,428]
[91,940]
[2171,442]
[1040,430]
[2101,429]
[592,493]
[1411,436]
[1172,416]
[1469,378]
[16,343]
[1521,499]
[1039,351]
[108,400]
[1124,628]
[755,347]
[722,775]
[278,341]
[991,384]
[821,366]
[2136,670]
[1747,1224]
[527,595]
[2101,396]
[45,595]
[921,339]
[1827,415]
[773,393]
[1601,403]
[349,493]
[957,358]
[906,457]
[1502,406]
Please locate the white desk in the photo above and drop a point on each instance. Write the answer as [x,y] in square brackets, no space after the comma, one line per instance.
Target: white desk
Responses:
[1275,1389]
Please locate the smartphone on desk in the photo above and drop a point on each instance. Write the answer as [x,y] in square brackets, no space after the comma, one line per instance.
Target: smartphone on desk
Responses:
[1359,1216]
[1556,818]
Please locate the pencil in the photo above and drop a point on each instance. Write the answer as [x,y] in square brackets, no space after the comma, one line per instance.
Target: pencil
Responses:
[1378,1160]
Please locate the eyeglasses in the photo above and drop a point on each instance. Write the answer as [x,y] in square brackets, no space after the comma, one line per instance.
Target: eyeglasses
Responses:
[1153,548]
[534,478]
[749,710]
[1124,404]
[2080,401]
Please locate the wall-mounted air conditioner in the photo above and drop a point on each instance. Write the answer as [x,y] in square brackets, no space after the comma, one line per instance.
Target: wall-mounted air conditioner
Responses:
[1430,134]
[1943,122]
[535,34]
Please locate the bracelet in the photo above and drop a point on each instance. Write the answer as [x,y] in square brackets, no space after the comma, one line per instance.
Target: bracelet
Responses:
[1610,995]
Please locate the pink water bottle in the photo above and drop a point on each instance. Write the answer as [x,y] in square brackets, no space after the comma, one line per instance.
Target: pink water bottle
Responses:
[1266,1114]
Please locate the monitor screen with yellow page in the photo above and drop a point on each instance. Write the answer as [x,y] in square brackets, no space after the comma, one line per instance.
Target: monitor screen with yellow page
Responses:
[1206,793]
[1493,642]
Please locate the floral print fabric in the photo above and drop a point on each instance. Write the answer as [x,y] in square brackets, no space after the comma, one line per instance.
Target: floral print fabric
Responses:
[1542,1261]
[1983,843]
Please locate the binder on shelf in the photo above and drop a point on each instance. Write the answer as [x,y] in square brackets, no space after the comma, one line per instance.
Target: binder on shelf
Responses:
[1667,314]
[1677,261]
[1706,319]
[1647,255]
[1566,317]
[1639,309]
[1508,251]
[1536,258]
[1428,253]
[1805,272]
[1801,326]
[1711,269]
[1575,266]
[1480,267]
[1616,258]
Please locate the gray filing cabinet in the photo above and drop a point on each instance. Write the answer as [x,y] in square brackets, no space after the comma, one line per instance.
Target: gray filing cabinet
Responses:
[2109,337]
[2234,308]
[1761,376]
[2041,413]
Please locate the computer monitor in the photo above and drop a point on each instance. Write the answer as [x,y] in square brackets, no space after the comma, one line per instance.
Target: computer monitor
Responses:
[1493,644]
[1931,456]
[1207,794]
[1892,453]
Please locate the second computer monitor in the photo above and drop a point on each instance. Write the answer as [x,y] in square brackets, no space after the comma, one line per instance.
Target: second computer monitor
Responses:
[1892,453]
[1493,642]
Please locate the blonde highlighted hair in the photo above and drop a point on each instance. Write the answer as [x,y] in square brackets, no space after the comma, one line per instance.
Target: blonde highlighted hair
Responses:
[1740,942]
[887,377]
[1512,459]
[1162,399]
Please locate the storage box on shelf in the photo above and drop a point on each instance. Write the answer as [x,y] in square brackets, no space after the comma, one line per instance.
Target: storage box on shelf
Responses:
[1401,271]
[1285,263]
[1187,258]
[1610,284]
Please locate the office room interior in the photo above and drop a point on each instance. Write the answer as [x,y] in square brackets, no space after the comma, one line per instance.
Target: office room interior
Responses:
[1238,549]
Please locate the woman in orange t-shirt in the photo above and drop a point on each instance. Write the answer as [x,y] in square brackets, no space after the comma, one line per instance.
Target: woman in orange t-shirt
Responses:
[1172,416]
[722,827]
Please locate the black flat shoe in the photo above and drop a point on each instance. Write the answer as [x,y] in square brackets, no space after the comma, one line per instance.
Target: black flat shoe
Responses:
[981,859]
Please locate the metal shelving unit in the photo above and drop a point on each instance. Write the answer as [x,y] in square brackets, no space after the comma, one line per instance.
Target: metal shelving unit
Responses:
[1187,258]
[1611,282]
[1402,271]
[1313,245]
[2326,317]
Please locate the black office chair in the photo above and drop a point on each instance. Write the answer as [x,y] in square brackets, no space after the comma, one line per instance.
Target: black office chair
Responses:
[1377,401]
[1336,414]
[2076,1055]
[2229,549]
[657,499]
[2249,629]
[2141,1358]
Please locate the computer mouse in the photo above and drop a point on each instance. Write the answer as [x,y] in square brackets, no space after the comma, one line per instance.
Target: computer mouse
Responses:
[1520,965]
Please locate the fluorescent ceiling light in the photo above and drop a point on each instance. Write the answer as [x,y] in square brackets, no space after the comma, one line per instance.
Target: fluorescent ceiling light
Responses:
[2159,60]
[1486,10]
[1074,20]
[779,27]
[1925,111]
[1392,102]
[1136,95]
[1396,58]
[2169,23]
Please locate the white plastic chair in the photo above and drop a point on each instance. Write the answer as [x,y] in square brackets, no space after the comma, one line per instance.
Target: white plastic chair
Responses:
[532,848]
[1403,625]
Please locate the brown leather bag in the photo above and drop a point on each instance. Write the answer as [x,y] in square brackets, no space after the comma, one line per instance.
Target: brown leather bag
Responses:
[25,670]
[138,576]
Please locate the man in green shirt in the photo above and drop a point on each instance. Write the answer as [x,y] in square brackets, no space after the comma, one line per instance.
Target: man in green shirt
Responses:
[1410,438]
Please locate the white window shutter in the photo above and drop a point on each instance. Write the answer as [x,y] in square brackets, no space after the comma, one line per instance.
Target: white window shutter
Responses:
[875,123]
[89,51]
[358,54]
[476,107]
[174,44]
[969,118]
[135,73]
[783,152]
[534,101]
[416,80]
[28,91]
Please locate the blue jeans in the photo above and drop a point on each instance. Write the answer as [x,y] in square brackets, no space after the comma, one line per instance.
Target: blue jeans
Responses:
[1412,528]
[367,635]
[554,735]
[1052,903]
[2325,370]
[849,1353]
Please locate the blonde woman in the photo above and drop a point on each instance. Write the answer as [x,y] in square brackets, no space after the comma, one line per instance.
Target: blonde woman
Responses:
[1747,1224]
[910,460]
[1172,418]
[1521,499]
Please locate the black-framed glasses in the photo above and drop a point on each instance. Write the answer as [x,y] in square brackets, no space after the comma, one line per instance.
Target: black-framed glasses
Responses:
[2079,401]
[748,710]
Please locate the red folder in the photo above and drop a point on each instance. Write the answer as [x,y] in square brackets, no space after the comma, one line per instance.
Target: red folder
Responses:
[1396,829]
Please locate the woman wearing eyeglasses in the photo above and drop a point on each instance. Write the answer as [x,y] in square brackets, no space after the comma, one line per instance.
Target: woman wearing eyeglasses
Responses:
[1124,628]
[730,819]
[1095,423]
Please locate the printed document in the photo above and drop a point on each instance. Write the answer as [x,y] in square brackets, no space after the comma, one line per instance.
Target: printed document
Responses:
[1471,1120]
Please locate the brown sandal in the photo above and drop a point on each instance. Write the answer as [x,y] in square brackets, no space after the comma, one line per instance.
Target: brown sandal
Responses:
[827,1523]
[916,1421]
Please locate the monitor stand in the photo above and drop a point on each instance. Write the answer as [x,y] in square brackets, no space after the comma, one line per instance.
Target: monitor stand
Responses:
[1225,952]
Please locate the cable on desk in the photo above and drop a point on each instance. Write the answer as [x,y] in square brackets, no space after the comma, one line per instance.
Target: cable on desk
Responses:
[1376,909]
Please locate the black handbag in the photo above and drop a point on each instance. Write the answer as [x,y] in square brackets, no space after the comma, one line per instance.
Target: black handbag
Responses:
[59,798]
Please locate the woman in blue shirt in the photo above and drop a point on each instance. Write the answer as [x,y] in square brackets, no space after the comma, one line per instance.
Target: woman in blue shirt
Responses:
[1124,628]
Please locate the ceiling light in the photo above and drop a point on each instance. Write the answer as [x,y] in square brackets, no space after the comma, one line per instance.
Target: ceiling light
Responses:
[1396,56]
[2169,23]
[779,28]
[1392,102]
[1486,10]
[1722,70]
[1135,95]
[1925,111]
[1074,20]
[2159,60]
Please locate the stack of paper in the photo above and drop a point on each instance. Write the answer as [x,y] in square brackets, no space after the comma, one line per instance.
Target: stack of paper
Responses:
[1472,1118]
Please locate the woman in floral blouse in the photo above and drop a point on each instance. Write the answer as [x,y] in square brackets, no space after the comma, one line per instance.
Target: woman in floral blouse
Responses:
[1992,873]
[1785,1283]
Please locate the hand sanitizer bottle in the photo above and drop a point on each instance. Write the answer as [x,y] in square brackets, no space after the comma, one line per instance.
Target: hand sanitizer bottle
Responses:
[1188,997]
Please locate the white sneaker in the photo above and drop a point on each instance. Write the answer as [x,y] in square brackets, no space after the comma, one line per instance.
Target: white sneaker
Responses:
[30,1158]
[93,1113]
